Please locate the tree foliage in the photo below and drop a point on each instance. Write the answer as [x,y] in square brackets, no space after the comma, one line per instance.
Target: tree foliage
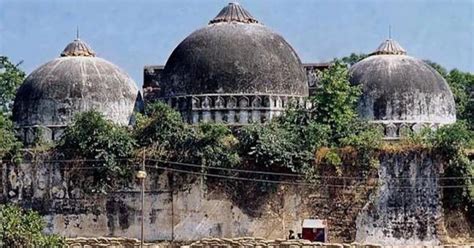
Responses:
[11,76]
[8,142]
[462,86]
[23,228]
[105,146]
[274,147]
[216,146]
[290,141]
[334,103]
[450,143]
[164,134]
[354,58]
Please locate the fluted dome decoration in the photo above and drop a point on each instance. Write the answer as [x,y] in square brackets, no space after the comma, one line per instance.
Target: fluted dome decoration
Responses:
[54,93]
[401,93]
[389,47]
[235,70]
[78,48]
[234,13]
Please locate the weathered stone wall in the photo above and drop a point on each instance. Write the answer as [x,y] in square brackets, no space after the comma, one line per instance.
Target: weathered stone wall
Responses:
[406,208]
[227,209]
[226,243]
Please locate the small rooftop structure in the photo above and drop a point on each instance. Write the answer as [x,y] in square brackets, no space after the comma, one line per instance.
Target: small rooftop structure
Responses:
[77,48]
[314,230]
[314,223]
[234,13]
[389,47]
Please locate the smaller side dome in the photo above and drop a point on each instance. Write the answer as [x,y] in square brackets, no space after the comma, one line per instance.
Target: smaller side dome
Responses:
[75,82]
[400,92]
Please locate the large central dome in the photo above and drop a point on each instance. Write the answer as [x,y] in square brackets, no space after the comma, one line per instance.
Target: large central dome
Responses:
[234,54]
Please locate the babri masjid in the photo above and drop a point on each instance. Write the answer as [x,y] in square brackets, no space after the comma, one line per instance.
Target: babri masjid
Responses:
[234,71]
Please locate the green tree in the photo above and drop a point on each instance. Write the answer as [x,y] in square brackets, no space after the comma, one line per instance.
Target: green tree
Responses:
[105,145]
[451,142]
[168,137]
[164,133]
[334,103]
[462,86]
[439,68]
[11,76]
[216,146]
[23,228]
[8,142]
[275,148]
[354,58]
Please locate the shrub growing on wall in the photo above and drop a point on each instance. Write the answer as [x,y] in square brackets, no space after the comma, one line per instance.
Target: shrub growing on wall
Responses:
[451,142]
[11,76]
[23,228]
[101,146]
[9,144]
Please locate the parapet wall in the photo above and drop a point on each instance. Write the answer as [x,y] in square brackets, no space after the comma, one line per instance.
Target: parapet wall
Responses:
[223,209]
[226,243]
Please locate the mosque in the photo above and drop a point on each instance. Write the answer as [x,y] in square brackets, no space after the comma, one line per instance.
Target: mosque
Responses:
[236,71]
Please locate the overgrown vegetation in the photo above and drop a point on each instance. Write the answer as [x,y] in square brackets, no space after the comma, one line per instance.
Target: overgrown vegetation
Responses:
[286,144]
[453,141]
[24,228]
[9,144]
[461,84]
[91,141]
[450,144]
[11,76]
[354,58]
[302,141]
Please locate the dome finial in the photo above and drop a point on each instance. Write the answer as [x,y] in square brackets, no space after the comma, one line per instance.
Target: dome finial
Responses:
[233,12]
[389,47]
[77,32]
[389,31]
[78,48]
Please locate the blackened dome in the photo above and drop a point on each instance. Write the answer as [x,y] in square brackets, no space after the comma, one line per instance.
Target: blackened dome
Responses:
[234,54]
[398,87]
[75,82]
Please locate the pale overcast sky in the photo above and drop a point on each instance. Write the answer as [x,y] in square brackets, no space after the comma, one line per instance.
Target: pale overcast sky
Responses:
[134,33]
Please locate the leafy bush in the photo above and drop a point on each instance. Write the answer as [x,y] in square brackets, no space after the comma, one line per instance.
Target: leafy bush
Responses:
[366,140]
[274,147]
[450,142]
[107,146]
[162,126]
[461,84]
[216,146]
[23,228]
[331,122]
[164,134]
[9,144]
[354,58]
[10,79]
[334,103]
